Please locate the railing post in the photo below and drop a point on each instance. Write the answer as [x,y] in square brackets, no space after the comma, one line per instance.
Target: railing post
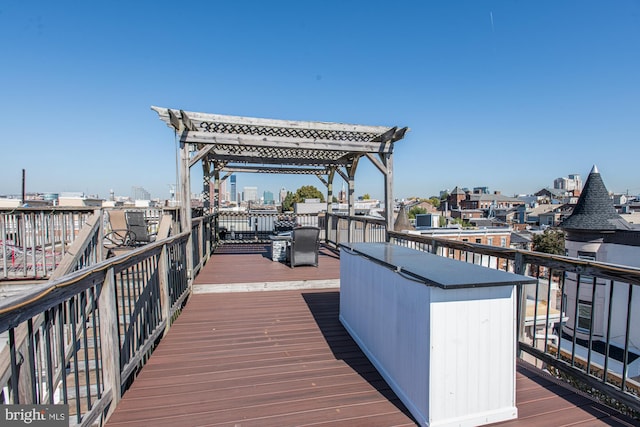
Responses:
[434,247]
[110,345]
[165,300]
[519,267]
[365,230]
[164,229]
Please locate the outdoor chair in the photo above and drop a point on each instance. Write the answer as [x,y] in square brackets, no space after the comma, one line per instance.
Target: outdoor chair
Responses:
[304,246]
[119,234]
[128,229]
[138,228]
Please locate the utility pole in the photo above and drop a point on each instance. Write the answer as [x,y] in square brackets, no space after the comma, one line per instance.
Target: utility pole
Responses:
[24,186]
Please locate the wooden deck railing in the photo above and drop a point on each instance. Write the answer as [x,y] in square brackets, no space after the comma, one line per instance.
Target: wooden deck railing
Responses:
[245,227]
[81,338]
[33,241]
[354,229]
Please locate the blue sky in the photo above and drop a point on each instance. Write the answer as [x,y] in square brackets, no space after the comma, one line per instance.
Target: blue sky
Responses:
[504,94]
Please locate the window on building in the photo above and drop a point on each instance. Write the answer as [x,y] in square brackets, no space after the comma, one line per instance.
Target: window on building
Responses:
[587,256]
[489,240]
[478,240]
[503,242]
[584,316]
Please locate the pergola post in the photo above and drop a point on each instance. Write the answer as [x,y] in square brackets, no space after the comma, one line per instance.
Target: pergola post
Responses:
[330,177]
[388,191]
[206,186]
[216,191]
[328,219]
[185,211]
[351,170]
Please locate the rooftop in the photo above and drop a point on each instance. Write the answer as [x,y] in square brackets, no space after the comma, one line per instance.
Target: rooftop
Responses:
[282,357]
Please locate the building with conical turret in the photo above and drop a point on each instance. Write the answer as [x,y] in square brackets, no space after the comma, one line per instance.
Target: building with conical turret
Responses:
[596,232]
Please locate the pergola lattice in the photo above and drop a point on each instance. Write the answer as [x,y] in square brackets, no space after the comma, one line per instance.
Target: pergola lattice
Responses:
[228,144]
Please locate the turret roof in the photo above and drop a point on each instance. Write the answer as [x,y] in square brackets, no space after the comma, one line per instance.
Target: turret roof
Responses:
[595,210]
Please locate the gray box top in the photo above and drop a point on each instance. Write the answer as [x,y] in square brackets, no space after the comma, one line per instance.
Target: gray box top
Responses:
[435,270]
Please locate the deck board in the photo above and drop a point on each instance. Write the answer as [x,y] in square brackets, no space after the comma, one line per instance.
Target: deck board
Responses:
[282,358]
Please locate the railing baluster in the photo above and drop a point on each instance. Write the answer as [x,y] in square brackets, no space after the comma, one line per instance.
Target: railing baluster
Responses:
[46,332]
[608,339]
[30,344]
[548,314]
[14,393]
[85,345]
[74,343]
[62,353]
[563,308]
[535,304]
[575,321]
[593,313]
[625,357]
[96,334]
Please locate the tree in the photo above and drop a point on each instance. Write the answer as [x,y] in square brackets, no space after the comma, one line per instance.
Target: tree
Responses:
[302,193]
[549,242]
[416,210]
[287,203]
[435,201]
[366,196]
[462,222]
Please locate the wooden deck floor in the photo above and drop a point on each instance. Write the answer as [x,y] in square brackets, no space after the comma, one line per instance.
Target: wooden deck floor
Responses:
[249,267]
[282,358]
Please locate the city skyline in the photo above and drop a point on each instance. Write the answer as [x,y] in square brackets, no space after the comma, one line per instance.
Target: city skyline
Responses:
[575,182]
[499,94]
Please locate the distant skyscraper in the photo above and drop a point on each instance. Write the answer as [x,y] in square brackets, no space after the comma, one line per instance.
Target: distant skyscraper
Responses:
[570,183]
[250,194]
[139,193]
[233,190]
[223,191]
[283,194]
[268,198]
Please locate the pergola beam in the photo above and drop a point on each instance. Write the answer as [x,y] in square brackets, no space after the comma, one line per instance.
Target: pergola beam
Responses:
[188,124]
[267,169]
[272,142]
[197,117]
[200,155]
[256,159]
[377,163]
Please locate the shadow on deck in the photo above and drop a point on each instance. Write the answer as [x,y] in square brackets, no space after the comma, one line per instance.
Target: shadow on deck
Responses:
[283,358]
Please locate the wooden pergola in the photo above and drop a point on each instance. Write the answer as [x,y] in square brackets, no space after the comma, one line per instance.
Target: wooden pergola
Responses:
[231,144]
